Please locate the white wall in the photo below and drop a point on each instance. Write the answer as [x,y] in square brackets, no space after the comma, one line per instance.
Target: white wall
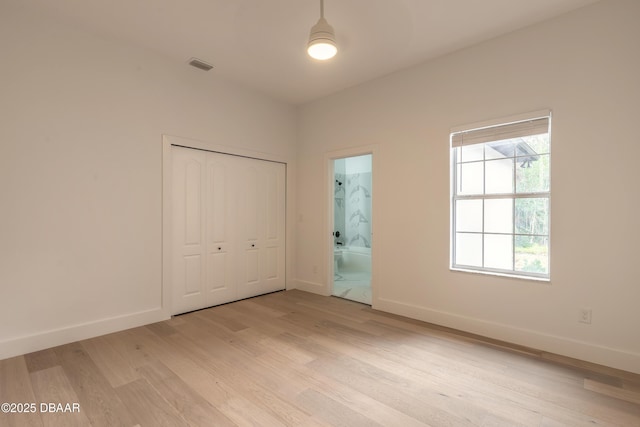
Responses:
[81,174]
[585,67]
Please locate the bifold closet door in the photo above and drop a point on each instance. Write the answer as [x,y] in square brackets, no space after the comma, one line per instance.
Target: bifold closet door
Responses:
[203,243]
[261,211]
[228,228]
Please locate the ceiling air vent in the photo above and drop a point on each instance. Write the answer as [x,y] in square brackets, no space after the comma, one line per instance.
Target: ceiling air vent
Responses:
[198,63]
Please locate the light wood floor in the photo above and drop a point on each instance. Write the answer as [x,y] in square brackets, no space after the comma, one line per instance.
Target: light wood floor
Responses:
[293,358]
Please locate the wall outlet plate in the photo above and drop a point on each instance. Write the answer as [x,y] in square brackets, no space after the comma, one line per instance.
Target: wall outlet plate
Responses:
[585,315]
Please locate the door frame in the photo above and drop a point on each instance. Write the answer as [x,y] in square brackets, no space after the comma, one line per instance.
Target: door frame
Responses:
[167,203]
[329,184]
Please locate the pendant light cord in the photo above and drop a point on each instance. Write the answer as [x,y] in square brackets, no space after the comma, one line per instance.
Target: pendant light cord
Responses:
[321,8]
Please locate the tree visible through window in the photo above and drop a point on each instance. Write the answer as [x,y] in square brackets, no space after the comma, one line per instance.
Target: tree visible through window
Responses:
[501,198]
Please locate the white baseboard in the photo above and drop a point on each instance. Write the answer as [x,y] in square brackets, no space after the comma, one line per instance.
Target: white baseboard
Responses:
[589,352]
[55,337]
[612,357]
[313,287]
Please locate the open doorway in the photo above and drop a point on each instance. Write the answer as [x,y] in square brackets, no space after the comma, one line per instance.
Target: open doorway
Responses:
[352,227]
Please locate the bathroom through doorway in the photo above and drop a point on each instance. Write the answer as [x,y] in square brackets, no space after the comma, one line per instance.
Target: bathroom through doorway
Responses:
[352,227]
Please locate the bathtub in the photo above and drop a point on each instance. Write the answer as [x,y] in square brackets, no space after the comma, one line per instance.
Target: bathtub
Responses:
[352,259]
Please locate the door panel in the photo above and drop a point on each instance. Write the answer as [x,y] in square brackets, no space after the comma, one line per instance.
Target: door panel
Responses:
[192,275]
[217,271]
[262,209]
[192,202]
[188,268]
[218,201]
[220,280]
[272,213]
[274,245]
[271,264]
[249,213]
[252,266]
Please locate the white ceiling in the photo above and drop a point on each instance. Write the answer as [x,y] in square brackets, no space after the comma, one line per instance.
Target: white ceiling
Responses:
[261,43]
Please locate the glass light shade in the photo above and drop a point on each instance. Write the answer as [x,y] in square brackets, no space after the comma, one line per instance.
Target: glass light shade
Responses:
[322,50]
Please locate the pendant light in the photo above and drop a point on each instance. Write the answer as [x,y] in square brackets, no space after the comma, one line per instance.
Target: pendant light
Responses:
[322,41]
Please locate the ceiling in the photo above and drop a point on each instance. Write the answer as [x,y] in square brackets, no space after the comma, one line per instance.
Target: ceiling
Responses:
[261,43]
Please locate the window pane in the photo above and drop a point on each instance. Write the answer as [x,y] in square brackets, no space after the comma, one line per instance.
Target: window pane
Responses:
[538,143]
[470,179]
[532,174]
[498,251]
[468,249]
[532,216]
[499,176]
[470,153]
[498,216]
[499,149]
[469,215]
[532,254]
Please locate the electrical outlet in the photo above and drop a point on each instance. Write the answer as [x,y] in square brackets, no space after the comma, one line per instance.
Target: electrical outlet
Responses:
[315,269]
[585,315]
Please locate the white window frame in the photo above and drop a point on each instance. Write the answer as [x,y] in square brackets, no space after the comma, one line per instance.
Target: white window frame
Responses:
[485,132]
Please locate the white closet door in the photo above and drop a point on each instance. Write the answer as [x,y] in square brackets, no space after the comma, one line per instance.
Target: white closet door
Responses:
[273,270]
[228,228]
[188,230]
[261,211]
[220,229]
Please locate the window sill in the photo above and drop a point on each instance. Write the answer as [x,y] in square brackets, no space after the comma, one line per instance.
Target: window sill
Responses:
[546,280]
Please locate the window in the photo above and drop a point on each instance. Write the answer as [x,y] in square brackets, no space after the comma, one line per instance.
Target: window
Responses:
[500,200]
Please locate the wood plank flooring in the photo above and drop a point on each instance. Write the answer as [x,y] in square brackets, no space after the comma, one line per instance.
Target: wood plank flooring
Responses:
[298,359]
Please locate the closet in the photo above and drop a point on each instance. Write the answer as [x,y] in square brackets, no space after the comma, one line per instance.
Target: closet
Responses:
[228,228]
